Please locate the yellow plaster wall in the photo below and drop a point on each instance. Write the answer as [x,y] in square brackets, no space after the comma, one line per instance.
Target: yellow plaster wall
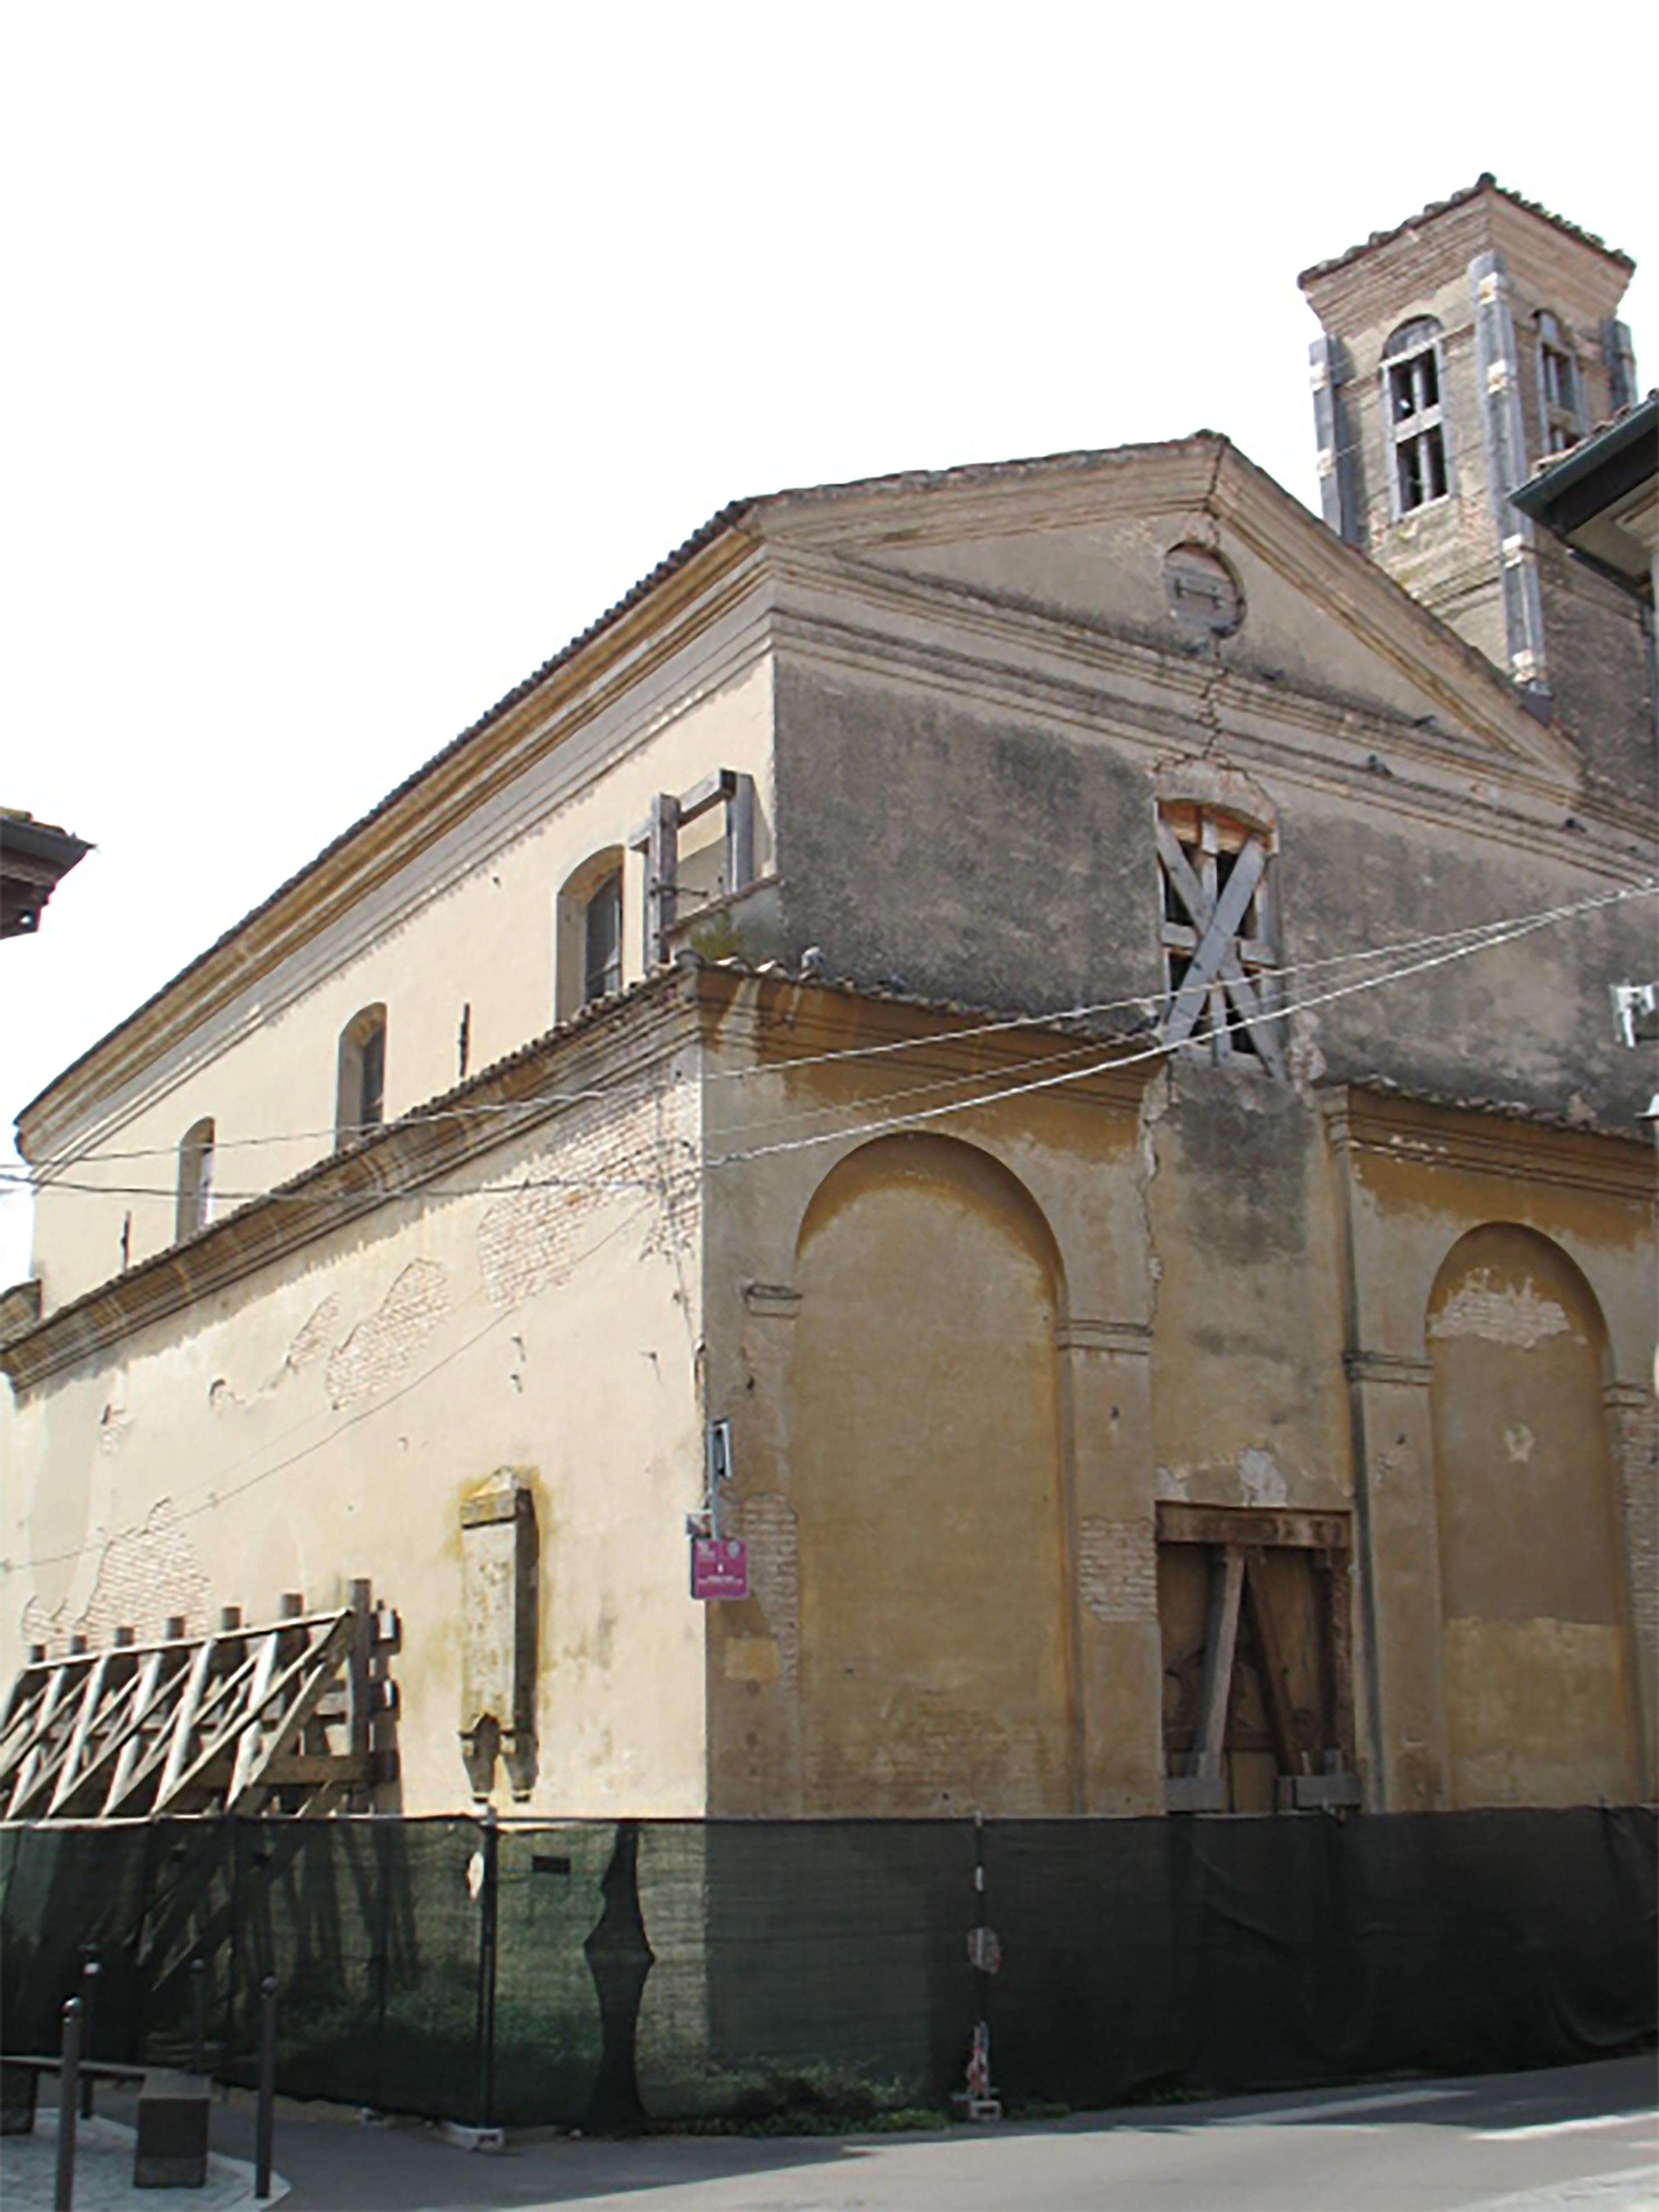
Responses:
[1538,1694]
[472,924]
[934,1352]
[928,1482]
[1468,1583]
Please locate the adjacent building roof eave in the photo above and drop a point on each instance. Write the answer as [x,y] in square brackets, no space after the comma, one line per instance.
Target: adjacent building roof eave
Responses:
[1545,492]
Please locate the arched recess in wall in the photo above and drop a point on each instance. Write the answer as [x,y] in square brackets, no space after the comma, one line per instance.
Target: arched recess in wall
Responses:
[1537,1677]
[925,1475]
[360,1092]
[588,933]
[195,1180]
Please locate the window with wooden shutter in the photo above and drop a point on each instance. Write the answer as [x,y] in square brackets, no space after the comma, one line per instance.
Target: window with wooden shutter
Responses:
[1217,935]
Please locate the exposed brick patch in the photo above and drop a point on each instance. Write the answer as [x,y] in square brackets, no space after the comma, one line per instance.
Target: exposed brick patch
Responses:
[1502,1313]
[316,1340]
[145,1574]
[378,1350]
[643,1155]
[768,1529]
[1117,1568]
[1634,1420]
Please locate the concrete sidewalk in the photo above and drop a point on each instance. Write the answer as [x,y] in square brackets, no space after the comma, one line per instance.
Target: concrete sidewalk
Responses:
[1573,2139]
[103,2172]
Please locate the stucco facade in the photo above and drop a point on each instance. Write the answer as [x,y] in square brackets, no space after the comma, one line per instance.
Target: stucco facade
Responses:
[1115,1108]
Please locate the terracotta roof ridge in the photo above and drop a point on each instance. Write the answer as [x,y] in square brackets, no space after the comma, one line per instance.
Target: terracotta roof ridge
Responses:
[1486,182]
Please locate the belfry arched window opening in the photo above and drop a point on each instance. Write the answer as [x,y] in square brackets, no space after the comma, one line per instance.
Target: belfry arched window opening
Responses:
[1412,378]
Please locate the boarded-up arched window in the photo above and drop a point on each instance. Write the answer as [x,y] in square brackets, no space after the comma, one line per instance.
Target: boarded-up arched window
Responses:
[1219,954]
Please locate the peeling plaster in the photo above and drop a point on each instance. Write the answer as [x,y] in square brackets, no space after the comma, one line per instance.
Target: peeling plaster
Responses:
[145,1573]
[1154,1103]
[1260,1478]
[1513,1314]
[378,1350]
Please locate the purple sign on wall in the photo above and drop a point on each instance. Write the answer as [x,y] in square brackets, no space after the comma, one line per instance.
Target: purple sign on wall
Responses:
[719,1567]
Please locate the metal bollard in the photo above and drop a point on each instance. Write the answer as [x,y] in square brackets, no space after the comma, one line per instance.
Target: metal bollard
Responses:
[198,2015]
[69,2085]
[267,2114]
[89,1973]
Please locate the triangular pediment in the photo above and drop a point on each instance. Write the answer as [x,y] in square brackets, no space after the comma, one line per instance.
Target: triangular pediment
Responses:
[1083,539]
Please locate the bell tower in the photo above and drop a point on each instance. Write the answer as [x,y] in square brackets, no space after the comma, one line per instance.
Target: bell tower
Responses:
[1459,350]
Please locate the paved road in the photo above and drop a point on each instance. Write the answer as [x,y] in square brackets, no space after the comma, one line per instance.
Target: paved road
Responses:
[1580,2139]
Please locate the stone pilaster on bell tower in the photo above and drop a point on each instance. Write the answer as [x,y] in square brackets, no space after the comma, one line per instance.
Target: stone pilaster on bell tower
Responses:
[1458,351]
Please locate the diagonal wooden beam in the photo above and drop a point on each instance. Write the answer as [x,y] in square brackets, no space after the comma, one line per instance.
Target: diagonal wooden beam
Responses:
[1275,1675]
[257,1696]
[327,1659]
[1220,1644]
[178,1736]
[126,1748]
[1218,923]
[175,1784]
[92,1698]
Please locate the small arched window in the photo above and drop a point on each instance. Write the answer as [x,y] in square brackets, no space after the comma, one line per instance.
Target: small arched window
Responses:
[1411,407]
[195,1181]
[589,958]
[601,940]
[360,1098]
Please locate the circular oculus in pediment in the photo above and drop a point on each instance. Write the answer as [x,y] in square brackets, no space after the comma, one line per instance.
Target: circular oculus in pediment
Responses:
[1202,591]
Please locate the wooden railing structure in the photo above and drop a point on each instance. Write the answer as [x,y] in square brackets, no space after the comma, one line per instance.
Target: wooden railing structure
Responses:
[293,1716]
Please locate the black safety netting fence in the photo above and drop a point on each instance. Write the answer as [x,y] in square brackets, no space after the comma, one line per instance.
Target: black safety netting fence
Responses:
[608,1975]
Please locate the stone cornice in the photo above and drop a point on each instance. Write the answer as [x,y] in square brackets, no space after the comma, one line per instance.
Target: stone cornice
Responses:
[1126,1339]
[1392,1368]
[782,1019]
[405,1158]
[1394,1128]
[454,787]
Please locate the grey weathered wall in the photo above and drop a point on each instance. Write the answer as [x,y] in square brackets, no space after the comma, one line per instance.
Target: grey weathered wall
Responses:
[977,856]
[1600,677]
[1007,864]
[1528,1021]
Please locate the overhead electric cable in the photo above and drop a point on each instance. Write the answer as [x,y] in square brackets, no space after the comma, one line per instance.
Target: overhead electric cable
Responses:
[1473,934]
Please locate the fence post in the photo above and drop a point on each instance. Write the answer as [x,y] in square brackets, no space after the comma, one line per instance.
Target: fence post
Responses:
[90,1970]
[265,2124]
[198,2015]
[232,1828]
[69,2088]
[487,1925]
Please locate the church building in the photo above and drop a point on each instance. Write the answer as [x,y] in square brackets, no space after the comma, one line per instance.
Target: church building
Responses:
[976,1156]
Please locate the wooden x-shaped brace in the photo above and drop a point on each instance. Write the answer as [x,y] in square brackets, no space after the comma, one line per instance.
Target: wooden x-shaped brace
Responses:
[1216,976]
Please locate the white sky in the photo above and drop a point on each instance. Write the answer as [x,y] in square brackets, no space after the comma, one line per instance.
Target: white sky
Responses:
[360,355]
